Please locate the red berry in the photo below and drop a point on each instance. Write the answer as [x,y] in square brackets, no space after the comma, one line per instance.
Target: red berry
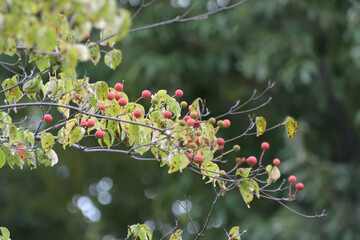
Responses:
[99,134]
[265,146]
[190,156]
[187,117]
[102,107]
[198,159]
[299,186]
[137,113]
[190,122]
[276,161]
[47,118]
[220,141]
[117,96]
[220,148]
[196,124]
[189,107]
[197,140]
[110,96]
[167,114]
[292,179]
[179,93]
[227,123]
[251,160]
[122,102]
[119,87]
[87,36]
[83,123]
[146,94]
[91,123]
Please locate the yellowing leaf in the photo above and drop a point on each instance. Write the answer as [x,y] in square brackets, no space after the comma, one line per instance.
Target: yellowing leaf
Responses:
[47,141]
[274,174]
[22,154]
[245,192]
[176,235]
[2,158]
[291,126]
[234,233]
[260,126]
[113,58]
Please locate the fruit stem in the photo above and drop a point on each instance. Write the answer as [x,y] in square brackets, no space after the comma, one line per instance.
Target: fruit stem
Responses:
[138,99]
[261,157]
[290,191]
[35,124]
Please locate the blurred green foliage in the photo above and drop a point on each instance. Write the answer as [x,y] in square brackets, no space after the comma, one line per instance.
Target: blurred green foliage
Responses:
[309,48]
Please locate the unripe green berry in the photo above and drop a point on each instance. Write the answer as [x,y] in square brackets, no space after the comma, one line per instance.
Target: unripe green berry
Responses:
[198,132]
[182,123]
[236,148]
[192,145]
[183,104]
[221,124]
[154,101]
[194,115]
[212,120]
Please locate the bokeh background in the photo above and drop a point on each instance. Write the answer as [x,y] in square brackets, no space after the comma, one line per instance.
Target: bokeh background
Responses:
[311,49]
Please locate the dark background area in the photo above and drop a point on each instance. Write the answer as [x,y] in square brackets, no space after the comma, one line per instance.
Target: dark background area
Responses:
[311,49]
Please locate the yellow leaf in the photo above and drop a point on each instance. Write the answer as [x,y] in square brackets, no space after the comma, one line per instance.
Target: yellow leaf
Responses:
[291,126]
[260,126]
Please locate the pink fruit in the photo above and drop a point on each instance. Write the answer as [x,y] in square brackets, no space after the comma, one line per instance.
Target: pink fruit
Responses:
[299,186]
[167,114]
[47,118]
[197,140]
[99,134]
[146,94]
[276,161]
[110,96]
[227,123]
[187,117]
[137,113]
[265,146]
[220,141]
[83,123]
[179,93]
[198,159]
[117,96]
[220,148]
[196,124]
[292,179]
[102,107]
[251,160]
[90,123]
[190,122]
[122,102]
[119,87]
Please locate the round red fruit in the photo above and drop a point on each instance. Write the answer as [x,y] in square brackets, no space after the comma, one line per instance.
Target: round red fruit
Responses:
[83,123]
[197,140]
[265,146]
[167,114]
[122,102]
[276,161]
[190,122]
[220,141]
[137,113]
[47,118]
[186,118]
[251,160]
[179,93]
[119,87]
[198,159]
[299,186]
[111,96]
[227,123]
[146,94]
[220,148]
[99,134]
[117,96]
[196,124]
[292,179]
[90,123]
[102,107]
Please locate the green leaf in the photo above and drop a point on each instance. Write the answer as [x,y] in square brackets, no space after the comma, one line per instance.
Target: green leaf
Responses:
[177,235]
[76,135]
[47,141]
[53,158]
[113,58]
[33,85]
[42,64]
[123,23]
[102,91]
[254,187]
[2,158]
[245,192]
[107,140]
[14,94]
[5,233]
[243,172]
[274,174]
[94,54]
[291,126]
[46,39]
[13,134]
[234,233]
[174,163]
[260,126]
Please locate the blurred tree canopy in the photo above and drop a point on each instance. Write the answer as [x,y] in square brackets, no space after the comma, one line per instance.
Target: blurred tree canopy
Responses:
[311,49]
